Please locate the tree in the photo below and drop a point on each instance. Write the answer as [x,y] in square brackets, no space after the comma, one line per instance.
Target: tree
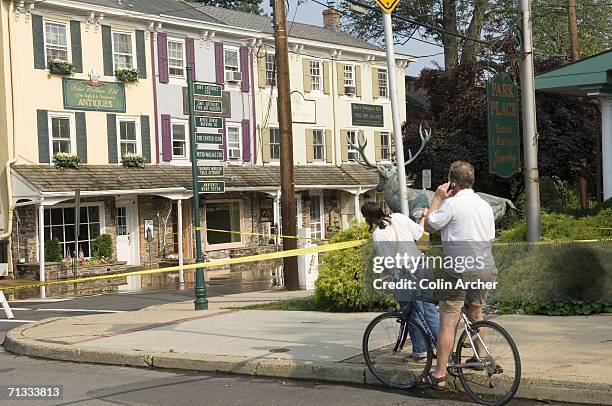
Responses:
[249,6]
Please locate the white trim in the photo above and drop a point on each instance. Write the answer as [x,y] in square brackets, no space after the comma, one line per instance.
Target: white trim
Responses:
[138,141]
[316,161]
[66,25]
[182,42]
[321,89]
[274,160]
[238,126]
[223,246]
[185,124]
[132,40]
[71,126]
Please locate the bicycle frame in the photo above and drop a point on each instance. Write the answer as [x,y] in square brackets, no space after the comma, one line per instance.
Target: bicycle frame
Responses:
[470,332]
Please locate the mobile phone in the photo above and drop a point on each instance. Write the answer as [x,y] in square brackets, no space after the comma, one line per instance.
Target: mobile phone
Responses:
[451,186]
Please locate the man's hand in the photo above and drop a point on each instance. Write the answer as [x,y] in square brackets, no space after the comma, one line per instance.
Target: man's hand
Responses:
[442,191]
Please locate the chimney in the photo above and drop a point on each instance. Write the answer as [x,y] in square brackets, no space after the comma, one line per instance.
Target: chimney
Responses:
[331,19]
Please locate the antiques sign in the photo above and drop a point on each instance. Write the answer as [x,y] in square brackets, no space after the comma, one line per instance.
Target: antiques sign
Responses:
[93,95]
[369,115]
[503,126]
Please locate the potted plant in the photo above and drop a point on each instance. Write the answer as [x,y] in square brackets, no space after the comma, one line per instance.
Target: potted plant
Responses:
[130,160]
[65,160]
[60,67]
[126,74]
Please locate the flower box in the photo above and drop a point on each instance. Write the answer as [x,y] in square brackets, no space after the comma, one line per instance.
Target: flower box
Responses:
[133,161]
[60,67]
[65,160]
[126,74]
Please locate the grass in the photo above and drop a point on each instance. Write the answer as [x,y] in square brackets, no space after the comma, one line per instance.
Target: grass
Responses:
[301,304]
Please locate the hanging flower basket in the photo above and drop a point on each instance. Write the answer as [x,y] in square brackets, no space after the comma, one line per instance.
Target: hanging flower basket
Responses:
[65,160]
[60,67]
[126,74]
[133,161]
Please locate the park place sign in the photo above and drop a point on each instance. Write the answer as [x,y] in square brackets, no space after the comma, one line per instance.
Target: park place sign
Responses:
[503,126]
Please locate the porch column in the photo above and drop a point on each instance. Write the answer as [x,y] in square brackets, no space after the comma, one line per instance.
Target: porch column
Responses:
[606,146]
[276,210]
[357,206]
[179,214]
[41,249]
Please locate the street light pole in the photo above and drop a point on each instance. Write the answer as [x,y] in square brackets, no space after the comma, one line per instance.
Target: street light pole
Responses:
[397,125]
[530,139]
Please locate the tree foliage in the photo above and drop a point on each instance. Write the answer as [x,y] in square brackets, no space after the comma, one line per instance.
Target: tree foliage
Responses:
[249,6]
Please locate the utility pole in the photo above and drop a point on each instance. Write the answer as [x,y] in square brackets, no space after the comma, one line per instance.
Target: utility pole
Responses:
[288,206]
[530,139]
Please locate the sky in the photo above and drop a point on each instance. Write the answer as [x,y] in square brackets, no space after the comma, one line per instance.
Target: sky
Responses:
[309,12]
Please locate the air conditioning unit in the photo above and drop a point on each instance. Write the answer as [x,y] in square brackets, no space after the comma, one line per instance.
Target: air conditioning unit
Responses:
[349,90]
[231,76]
[234,153]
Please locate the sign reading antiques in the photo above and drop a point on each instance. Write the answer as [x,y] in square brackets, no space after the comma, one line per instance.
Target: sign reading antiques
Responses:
[369,115]
[93,95]
[206,89]
[207,106]
[503,126]
[207,99]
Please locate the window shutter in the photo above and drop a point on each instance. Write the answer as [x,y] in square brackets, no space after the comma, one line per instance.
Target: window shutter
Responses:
[190,56]
[340,78]
[357,80]
[38,38]
[309,145]
[224,137]
[261,71]
[145,138]
[111,131]
[141,55]
[328,146]
[75,42]
[246,141]
[107,50]
[166,127]
[244,68]
[326,77]
[377,146]
[43,136]
[344,145]
[375,84]
[81,135]
[265,153]
[162,56]
[306,75]
[219,63]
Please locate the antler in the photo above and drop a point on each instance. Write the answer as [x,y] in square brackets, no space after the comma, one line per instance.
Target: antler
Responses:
[360,148]
[424,140]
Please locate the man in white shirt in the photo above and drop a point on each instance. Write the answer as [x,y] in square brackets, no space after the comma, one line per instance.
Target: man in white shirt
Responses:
[467,225]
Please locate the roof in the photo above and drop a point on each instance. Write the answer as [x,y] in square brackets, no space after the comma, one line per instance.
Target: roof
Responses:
[92,178]
[590,76]
[233,18]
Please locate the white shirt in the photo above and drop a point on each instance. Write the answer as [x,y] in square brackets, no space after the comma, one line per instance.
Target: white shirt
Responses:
[407,230]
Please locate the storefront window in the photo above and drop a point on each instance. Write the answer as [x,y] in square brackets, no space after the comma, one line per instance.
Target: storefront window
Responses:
[60,223]
[223,216]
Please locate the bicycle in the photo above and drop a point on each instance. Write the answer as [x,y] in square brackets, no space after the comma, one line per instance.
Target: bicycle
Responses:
[483,374]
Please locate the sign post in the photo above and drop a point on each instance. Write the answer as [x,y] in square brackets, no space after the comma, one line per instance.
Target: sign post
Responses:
[426,179]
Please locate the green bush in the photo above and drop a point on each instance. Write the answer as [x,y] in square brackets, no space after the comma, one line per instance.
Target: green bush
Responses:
[53,251]
[103,246]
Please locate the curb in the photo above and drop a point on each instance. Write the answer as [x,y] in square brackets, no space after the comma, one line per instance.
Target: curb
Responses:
[531,388]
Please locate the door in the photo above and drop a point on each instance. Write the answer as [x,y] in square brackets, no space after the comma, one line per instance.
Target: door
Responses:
[126,219]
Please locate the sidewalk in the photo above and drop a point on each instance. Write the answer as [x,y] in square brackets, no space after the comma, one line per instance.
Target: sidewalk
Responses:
[563,358]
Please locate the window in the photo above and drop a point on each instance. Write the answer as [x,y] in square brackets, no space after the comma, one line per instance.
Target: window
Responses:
[385,146]
[315,75]
[316,226]
[122,50]
[349,75]
[270,70]
[223,216]
[318,144]
[56,40]
[121,220]
[60,223]
[352,152]
[233,142]
[232,62]
[382,83]
[274,144]
[128,139]
[176,61]
[60,133]
[179,141]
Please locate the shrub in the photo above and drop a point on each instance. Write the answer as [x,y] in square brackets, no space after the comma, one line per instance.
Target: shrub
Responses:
[133,160]
[60,67]
[53,251]
[103,246]
[66,160]
[126,74]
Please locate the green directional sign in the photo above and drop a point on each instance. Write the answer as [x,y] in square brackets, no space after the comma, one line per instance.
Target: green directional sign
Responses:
[207,106]
[212,187]
[211,170]
[206,89]
[207,139]
[210,154]
[503,126]
[208,122]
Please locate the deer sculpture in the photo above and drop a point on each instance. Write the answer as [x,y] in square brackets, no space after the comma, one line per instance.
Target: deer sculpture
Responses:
[388,182]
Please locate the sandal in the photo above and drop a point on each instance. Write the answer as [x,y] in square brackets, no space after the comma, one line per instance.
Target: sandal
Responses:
[433,382]
[474,360]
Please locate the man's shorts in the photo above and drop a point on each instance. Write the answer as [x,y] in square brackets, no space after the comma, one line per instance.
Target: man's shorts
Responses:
[453,300]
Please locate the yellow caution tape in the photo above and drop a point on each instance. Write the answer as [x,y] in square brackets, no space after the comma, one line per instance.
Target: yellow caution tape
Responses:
[222,262]
[261,234]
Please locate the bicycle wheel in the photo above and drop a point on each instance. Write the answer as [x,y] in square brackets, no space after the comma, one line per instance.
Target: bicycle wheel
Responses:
[496,379]
[387,350]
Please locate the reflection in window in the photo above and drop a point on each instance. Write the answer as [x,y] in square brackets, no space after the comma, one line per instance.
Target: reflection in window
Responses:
[223,216]
[60,225]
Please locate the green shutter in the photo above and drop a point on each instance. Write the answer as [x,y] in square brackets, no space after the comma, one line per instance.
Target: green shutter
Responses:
[81,135]
[111,130]
[141,56]
[145,138]
[38,42]
[75,41]
[107,50]
[43,136]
